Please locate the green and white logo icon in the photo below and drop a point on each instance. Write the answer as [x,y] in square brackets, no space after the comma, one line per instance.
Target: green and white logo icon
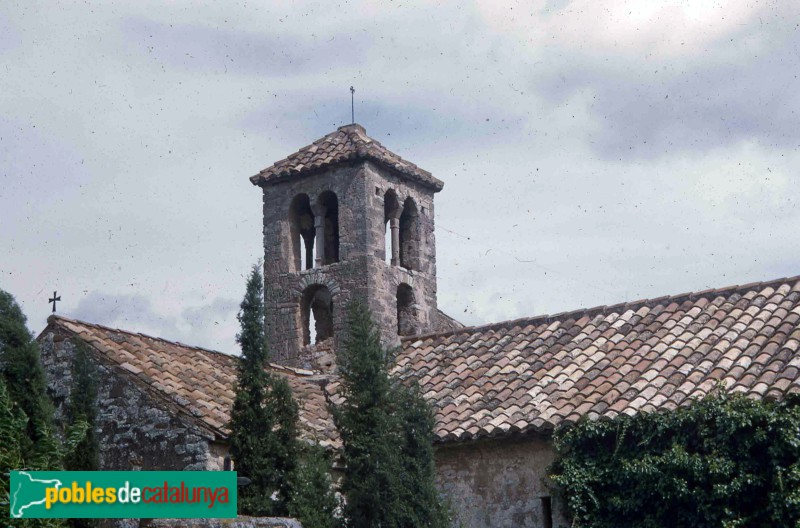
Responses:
[27,492]
[122,494]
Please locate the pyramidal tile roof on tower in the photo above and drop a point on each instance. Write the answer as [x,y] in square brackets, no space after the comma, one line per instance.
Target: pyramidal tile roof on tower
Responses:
[347,144]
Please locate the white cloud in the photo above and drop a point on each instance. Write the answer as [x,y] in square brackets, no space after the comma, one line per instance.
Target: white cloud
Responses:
[655,28]
[754,184]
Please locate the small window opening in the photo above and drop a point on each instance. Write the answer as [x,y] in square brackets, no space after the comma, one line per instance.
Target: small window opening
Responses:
[316,313]
[301,221]
[406,311]
[226,464]
[312,327]
[330,203]
[387,243]
[409,236]
[547,512]
[390,208]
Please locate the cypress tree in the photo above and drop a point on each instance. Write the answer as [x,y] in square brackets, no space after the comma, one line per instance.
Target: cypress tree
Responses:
[22,369]
[387,432]
[12,431]
[82,412]
[286,446]
[27,440]
[264,415]
[372,479]
[13,435]
[422,505]
[313,501]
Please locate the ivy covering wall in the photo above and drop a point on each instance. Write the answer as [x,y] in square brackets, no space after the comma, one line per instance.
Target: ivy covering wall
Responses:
[724,461]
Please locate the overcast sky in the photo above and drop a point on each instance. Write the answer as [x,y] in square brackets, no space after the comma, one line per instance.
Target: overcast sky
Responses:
[592,152]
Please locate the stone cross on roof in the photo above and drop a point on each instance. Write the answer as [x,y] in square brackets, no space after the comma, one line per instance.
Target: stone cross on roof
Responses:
[53,300]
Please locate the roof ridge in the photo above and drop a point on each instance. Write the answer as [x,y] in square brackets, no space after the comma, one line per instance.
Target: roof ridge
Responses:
[299,372]
[346,144]
[140,378]
[202,395]
[601,309]
[140,334]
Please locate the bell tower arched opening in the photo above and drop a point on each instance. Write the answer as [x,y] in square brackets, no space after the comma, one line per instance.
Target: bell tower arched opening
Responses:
[316,306]
[329,205]
[391,243]
[406,311]
[301,222]
[409,236]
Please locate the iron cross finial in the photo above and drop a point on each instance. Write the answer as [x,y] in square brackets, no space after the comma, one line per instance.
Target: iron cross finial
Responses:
[352,105]
[53,300]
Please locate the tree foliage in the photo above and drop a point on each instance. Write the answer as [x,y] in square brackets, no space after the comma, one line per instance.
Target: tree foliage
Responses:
[285,476]
[725,461]
[264,415]
[12,430]
[27,438]
[22,369]
[421,502]
[26,386]
[82,409]
[387,432]
[82,412]
[313,500]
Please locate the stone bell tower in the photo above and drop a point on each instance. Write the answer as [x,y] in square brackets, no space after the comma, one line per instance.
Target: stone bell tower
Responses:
[346,219]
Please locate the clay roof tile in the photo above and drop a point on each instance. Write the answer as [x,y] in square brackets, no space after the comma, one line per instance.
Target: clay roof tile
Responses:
[529,374]
[345,144]
[621,359]
[199,380]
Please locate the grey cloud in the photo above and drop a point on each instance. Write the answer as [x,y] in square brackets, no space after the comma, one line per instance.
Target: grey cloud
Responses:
[124,311]
[219,311]
[9,36]
[273,52]
[211,325]
[725,94]
[406,127]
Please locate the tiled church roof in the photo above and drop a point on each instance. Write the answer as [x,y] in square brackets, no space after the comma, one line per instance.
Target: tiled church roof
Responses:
[199,381]
[534,374]
[526,375]
[347,143]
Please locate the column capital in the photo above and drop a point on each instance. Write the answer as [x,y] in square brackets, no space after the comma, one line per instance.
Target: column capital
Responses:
[318,209]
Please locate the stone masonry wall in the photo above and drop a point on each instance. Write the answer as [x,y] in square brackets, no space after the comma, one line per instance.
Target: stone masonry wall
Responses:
[135,431]
[361,272]
[386,278]
[284,284]
[500,484]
